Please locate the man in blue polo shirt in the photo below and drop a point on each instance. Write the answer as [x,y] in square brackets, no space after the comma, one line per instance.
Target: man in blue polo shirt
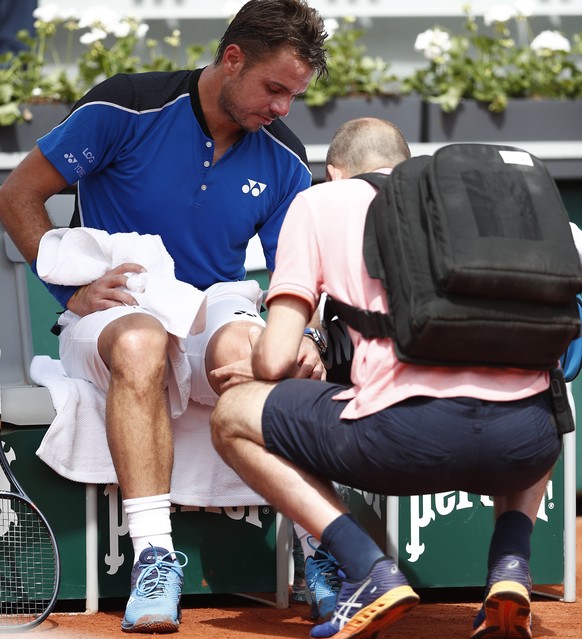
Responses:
[201,159]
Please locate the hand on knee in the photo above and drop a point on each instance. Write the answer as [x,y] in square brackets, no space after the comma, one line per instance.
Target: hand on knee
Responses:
[228,356]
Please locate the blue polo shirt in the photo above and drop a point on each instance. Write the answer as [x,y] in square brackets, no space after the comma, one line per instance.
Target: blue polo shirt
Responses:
[140,150]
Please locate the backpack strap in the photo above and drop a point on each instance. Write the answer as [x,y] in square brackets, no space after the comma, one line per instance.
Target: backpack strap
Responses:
[369,323]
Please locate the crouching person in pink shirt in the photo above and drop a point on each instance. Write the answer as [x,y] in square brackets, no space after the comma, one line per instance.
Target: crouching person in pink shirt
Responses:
[399,429]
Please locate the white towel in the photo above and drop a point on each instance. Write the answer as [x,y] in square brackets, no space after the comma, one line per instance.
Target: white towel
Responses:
[79,256]
[75,445]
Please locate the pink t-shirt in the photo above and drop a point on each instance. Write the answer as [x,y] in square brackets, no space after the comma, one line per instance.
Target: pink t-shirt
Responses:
[320,250]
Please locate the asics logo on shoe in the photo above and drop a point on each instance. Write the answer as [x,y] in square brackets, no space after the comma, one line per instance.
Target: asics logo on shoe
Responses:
[253,187]
[344,612]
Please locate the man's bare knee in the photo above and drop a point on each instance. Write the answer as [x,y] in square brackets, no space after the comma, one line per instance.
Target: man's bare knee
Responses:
[229,344]
[238,413]
[137,340]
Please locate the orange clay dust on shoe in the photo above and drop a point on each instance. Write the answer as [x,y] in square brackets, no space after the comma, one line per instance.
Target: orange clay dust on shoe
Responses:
[382,612]
[507,613]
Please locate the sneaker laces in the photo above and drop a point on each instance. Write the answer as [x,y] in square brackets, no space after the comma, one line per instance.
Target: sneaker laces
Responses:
[325,564]
[155,578]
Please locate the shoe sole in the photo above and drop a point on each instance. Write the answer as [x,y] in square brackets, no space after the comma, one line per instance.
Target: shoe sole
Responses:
[507,613]
[152,625]
[383,612]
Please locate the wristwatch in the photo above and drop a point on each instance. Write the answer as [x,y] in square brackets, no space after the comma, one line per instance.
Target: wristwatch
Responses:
[317,337]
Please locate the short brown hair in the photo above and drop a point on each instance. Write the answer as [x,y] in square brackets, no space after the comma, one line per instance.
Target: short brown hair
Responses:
[263,26]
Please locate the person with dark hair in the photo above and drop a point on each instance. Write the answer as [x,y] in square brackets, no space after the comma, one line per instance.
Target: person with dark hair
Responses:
[261,28]
[201,159]
[398,429]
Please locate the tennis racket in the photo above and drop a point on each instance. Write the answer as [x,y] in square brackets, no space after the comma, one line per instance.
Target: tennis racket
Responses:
[29,557]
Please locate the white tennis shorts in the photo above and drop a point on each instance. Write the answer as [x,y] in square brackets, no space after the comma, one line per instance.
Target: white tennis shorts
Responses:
[226,302]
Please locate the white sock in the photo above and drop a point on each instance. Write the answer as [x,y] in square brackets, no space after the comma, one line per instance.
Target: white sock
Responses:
[148,519]
[309,544]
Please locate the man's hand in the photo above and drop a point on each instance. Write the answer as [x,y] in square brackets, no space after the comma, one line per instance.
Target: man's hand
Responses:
[105,292]
[225,377]
[309,364]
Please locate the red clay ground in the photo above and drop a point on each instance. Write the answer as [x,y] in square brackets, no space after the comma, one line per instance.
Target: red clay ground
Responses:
[231,617]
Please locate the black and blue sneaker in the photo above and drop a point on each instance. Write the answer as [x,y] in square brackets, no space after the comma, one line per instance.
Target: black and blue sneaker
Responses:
[506,610]
[156,587]
[364,607]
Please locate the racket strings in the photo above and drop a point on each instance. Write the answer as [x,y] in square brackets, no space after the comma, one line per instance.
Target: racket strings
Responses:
[27,563]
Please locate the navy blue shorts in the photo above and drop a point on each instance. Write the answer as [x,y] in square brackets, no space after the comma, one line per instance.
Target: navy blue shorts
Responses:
[418,446]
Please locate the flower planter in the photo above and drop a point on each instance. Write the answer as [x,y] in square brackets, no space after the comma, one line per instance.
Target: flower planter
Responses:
[22,137]
[316,125]
[530,120]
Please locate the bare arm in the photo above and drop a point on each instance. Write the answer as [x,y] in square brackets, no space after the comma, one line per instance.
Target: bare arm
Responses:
[22,201]
[23,214]
[276,353]
[222,376]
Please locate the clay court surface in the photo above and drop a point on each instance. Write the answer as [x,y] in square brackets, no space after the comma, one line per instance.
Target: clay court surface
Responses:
[440,615]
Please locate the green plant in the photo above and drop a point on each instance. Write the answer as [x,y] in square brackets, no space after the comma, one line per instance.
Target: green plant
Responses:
[111,43]
[492,67]
[350,71]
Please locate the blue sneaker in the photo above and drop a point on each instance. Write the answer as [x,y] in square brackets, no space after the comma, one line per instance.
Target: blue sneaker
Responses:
[156,586]
[322,583]
[364,607]
[506,611]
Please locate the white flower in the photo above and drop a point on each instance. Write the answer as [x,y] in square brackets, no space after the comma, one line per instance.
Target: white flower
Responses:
[36,91]
[121,29]
[101,16]
[93,36]
[142,29]
[525,8]
[434,43]
[69,14]
[499,13]
[331,26]
[54,13]
[125,25]
[549,41]
[47,13]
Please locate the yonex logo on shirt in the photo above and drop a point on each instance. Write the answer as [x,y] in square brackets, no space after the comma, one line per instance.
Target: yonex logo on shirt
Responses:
[70,158]
[254,188]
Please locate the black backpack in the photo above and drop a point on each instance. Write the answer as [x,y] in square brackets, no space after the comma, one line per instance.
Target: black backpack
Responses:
[474,248]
